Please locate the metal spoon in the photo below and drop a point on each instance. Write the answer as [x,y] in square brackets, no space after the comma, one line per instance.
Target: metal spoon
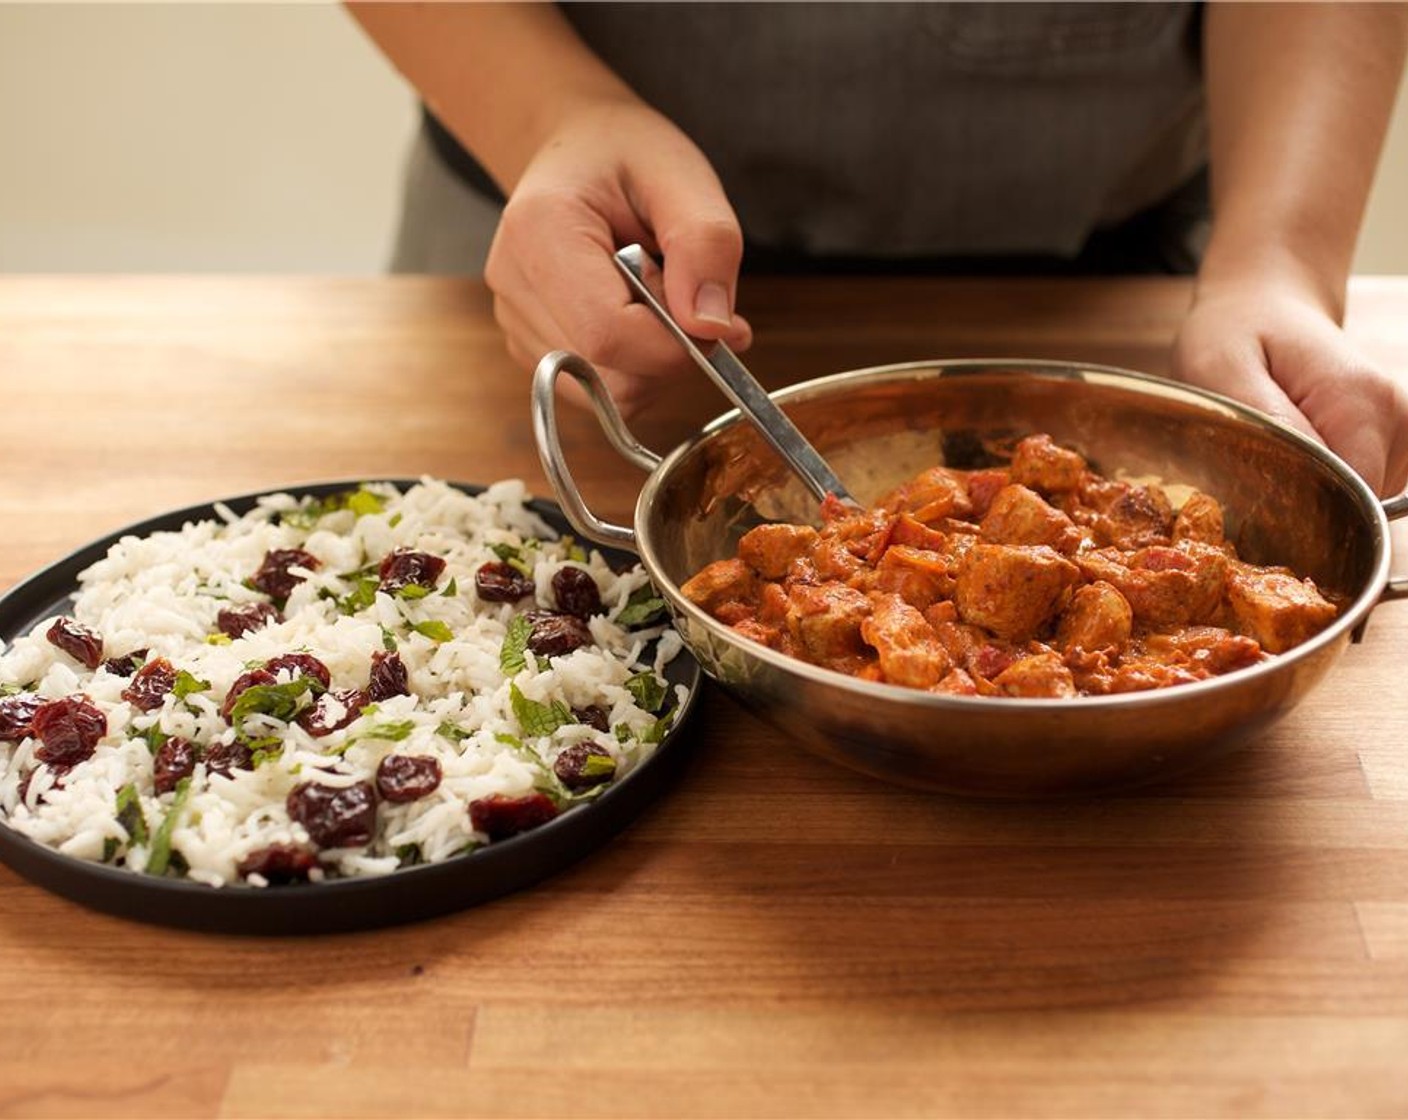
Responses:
[732,376]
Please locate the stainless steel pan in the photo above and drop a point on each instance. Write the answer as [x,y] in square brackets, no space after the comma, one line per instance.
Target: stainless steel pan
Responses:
[1288,501]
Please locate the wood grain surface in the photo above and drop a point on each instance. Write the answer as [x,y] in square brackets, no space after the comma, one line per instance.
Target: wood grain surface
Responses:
[775,937]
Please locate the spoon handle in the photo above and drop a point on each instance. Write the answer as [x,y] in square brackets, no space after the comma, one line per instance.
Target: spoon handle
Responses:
[740,386]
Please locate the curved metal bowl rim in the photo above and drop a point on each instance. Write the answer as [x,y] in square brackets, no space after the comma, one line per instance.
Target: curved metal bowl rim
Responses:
[1367,501]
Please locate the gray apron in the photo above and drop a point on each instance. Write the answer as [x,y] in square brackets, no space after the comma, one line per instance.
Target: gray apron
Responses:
[895,132]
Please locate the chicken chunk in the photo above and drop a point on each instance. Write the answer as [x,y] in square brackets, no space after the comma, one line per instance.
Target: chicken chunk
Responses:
[770,549]
[1275,607]
[1038,463]
[909,651]
[824,621]
[1012,590]
[1164,586]
[1199,519]
[936,493]
[722,582]
[1040,675]
[1124,515]
[1021,516]
[1098,617]
[919,577]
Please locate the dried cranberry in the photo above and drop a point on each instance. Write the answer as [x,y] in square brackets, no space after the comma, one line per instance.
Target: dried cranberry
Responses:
[236,622]
[403,567]
[501,816]
[576,592]
[175,759]
[300,665]
[221,758]
[332,711]
[278,864]
[69,729]
[125,665]
[17,715]
[555,634]
[76,640]
[497,582]
[583,765]
[335,817]
[151,684]
[243,682]
[594,716]
[388,677]
[274,578]
[402,777]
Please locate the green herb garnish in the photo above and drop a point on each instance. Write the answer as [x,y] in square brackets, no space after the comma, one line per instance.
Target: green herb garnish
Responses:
[129,814]
[160,856]
[451,589]
[453,732]
[433,629]
[644,606]
[277,700]
[186,684]
[513,653]
[648,690]
[535,718]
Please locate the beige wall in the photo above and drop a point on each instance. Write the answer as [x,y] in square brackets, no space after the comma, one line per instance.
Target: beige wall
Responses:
[253,138]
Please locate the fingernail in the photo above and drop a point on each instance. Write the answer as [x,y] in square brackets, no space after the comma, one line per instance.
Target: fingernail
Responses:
[711,304]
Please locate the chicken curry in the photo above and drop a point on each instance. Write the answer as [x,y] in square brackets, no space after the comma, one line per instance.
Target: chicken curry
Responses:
[1040,578]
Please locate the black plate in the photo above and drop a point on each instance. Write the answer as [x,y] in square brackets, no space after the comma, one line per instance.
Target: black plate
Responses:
[344,904]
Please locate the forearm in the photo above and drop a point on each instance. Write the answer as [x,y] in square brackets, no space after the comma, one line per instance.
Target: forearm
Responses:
[1299,97]
[500,77]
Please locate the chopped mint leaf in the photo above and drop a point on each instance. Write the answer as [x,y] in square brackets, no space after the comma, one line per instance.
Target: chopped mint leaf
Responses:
[644,606]
[110,847]
[433,629]
[187,683]
[623,733]
[160,856]
[394,732]
[129,814]
[506,552]
[395,520]
[655,733]
[277,700]
[154,737]
[574,550]
[512,654]
[647,689]
[362,596]
[451,589]
[264,749]
[535,718]
[408,855]
[453,732]
[508,740]
[388,640]
[598,766]
[362,502]
[412,591]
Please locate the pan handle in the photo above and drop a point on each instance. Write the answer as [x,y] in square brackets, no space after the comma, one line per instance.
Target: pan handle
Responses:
[1397,586]
[550,446]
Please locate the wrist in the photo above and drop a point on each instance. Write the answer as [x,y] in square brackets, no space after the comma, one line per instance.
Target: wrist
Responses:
[1271,265]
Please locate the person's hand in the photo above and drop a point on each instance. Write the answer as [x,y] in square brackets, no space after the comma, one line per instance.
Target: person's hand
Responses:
[613,173]
[1279,349]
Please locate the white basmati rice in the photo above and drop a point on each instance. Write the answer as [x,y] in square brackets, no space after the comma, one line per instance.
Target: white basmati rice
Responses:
[162,593]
